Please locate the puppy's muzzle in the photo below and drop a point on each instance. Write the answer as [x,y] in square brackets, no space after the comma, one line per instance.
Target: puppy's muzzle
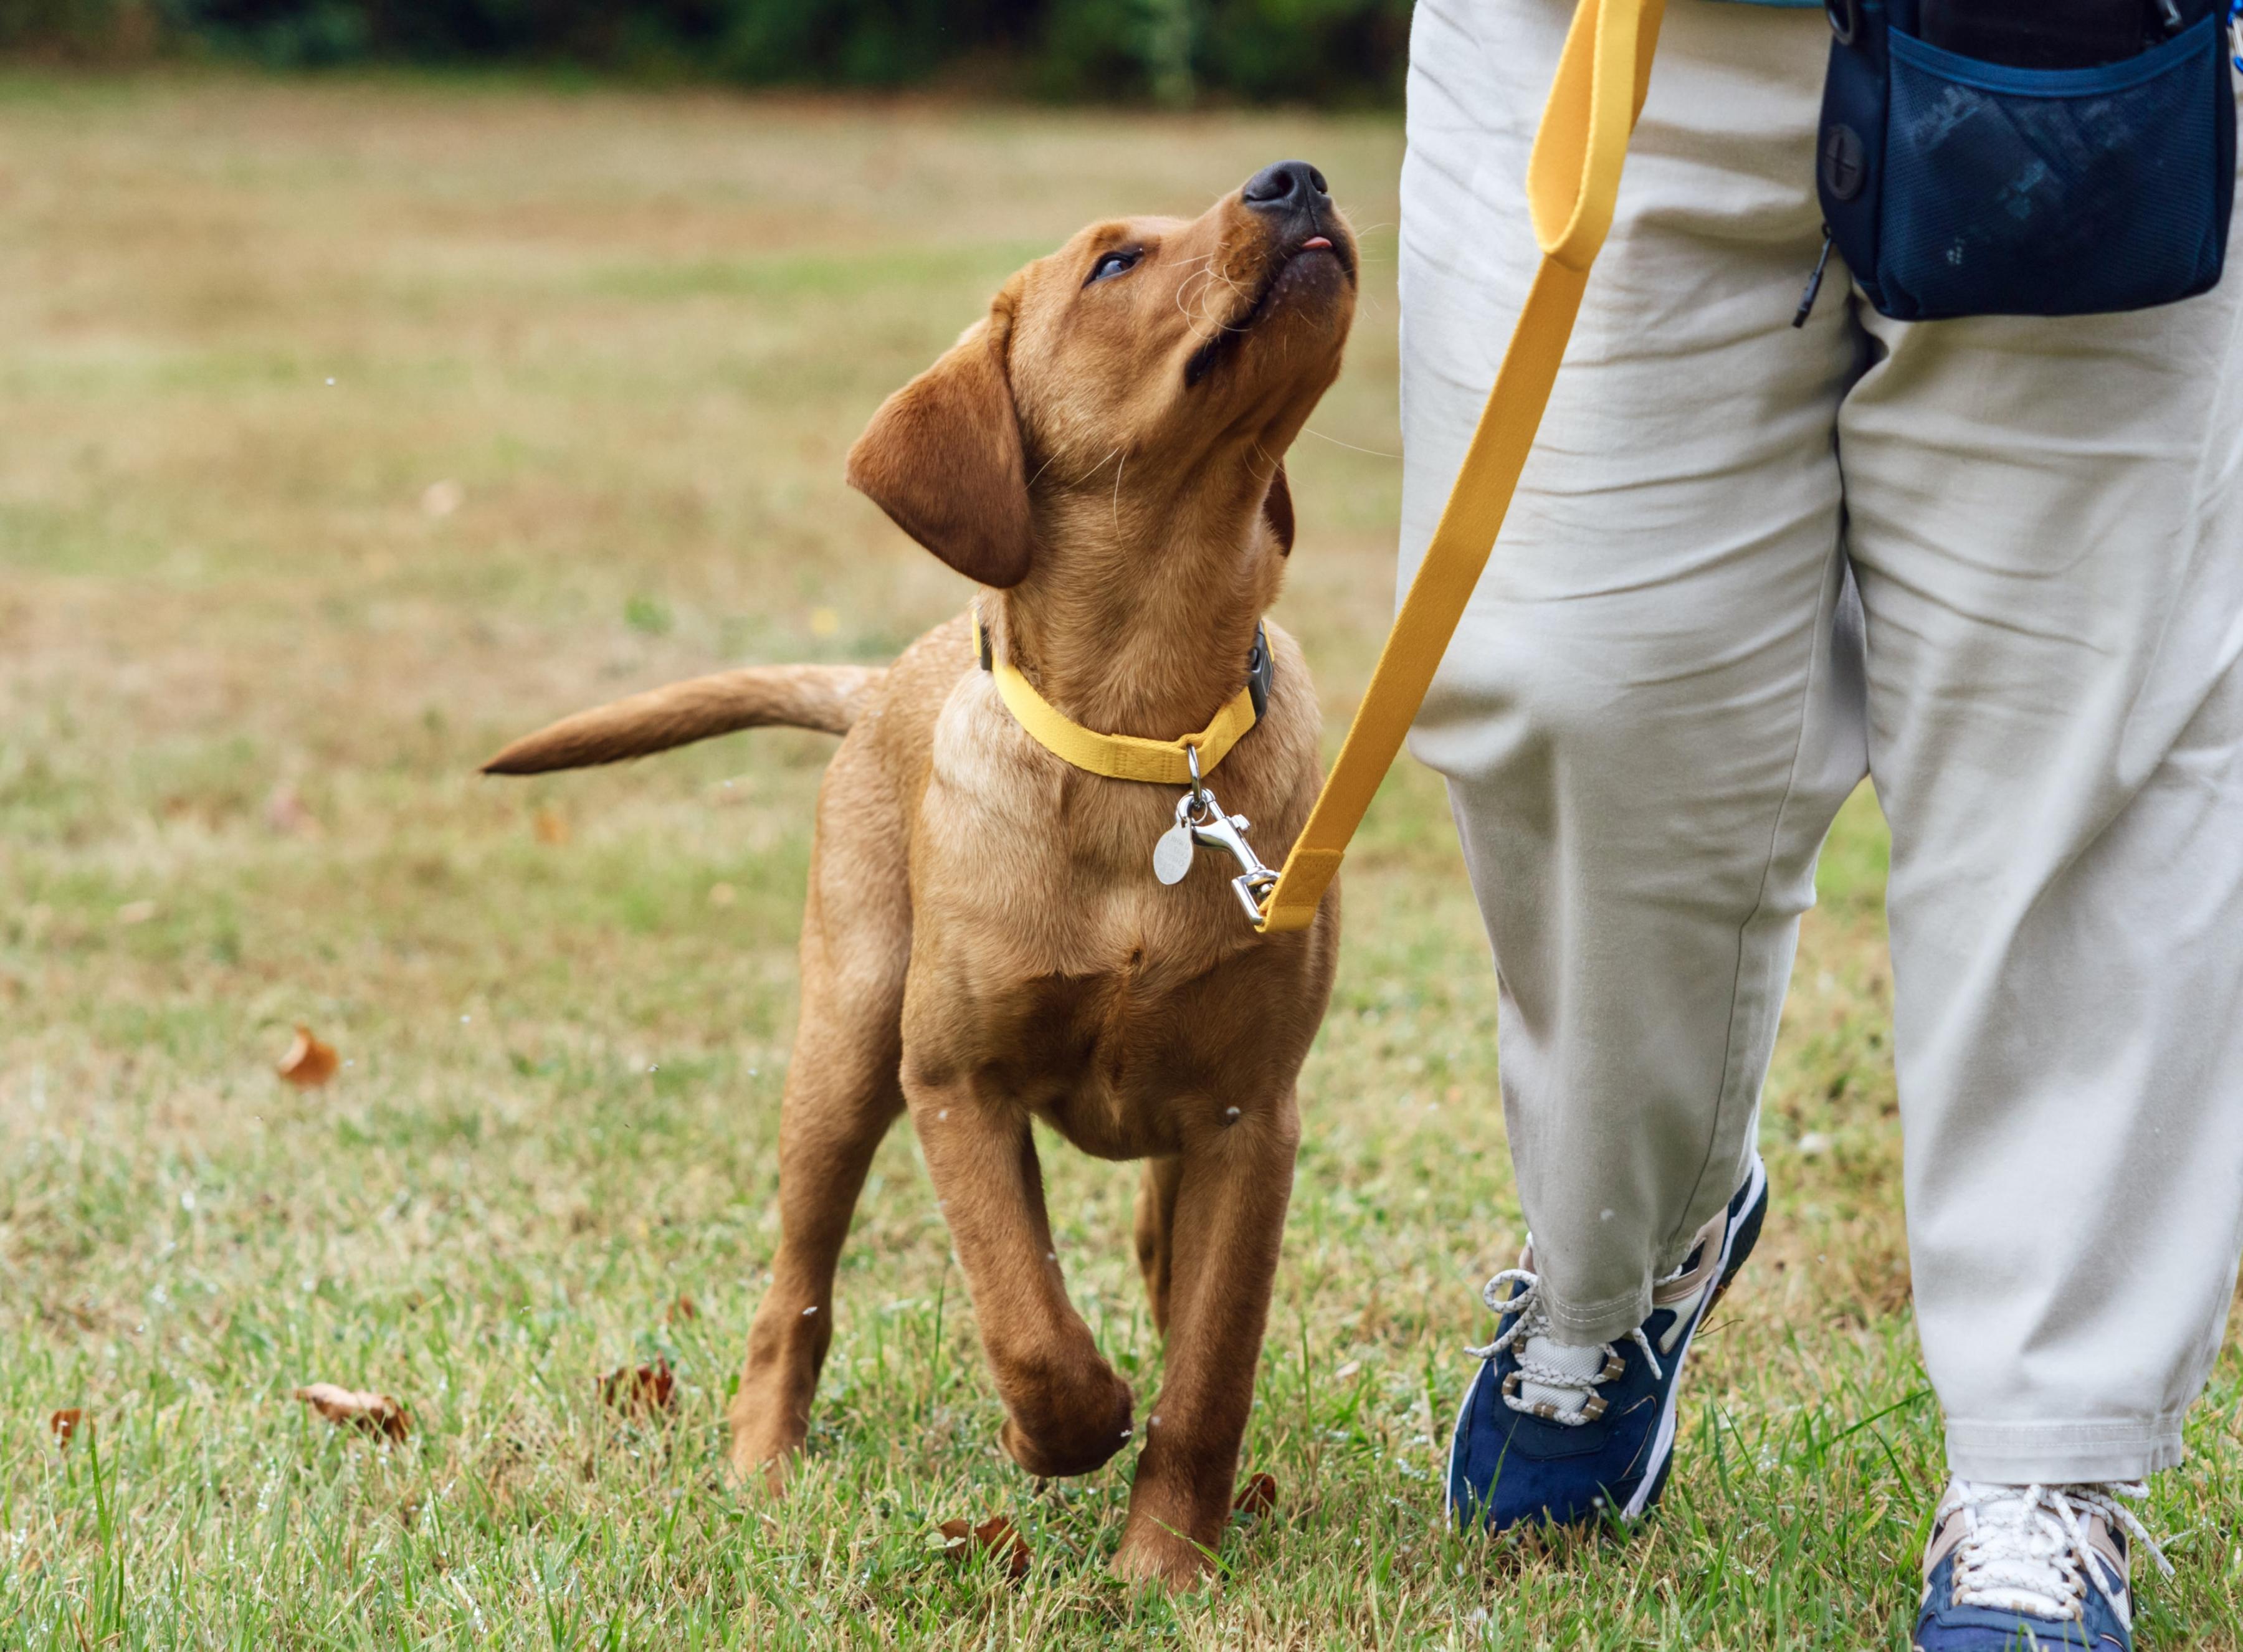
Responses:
[1292,194]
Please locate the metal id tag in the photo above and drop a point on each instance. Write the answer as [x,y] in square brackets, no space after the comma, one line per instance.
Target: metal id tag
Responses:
[1172,855]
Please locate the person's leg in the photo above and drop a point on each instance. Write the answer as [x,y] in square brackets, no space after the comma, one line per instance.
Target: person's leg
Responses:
[1652,709]
[2046,518]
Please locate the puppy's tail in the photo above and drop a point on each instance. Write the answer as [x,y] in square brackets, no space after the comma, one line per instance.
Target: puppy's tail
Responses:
[827,697]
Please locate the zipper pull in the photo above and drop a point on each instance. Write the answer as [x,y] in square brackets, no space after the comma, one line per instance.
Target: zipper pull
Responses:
[1814,283]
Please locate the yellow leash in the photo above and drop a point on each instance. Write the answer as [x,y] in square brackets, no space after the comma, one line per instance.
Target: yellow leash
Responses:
[1572,178]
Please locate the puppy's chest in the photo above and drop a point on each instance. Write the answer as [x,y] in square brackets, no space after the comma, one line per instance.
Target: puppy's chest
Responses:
[1050,961]
[1101,1012]
[1107,1058]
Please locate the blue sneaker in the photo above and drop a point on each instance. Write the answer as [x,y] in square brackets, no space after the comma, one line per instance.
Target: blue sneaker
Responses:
[2022,1569]
[1553,1434]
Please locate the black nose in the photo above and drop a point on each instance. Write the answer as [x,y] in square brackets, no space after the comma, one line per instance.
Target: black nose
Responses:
[1290,186]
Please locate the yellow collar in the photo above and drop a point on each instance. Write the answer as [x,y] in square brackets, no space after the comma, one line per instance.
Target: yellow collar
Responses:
[1126,756]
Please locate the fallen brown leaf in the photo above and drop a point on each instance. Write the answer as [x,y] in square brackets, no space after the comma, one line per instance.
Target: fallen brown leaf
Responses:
[994,1537]
[682,1308]
[647,1387]
[551,826]
[375,1414]
[309,1063]
[65,1423]
[1257,1496]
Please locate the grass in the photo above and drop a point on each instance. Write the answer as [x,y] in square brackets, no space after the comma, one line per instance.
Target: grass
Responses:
[250,650]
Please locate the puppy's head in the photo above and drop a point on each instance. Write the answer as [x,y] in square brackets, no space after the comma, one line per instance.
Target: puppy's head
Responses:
[1165,364]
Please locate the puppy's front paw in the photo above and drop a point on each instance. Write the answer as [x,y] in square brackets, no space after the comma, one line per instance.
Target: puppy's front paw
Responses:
[1053,1436]
[745,1470]
[761,1453]
[1152,1554]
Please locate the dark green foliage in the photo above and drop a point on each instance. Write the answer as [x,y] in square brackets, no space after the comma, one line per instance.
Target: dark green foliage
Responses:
[1265,51]
[844,42]
[1173,51]
[1318,50]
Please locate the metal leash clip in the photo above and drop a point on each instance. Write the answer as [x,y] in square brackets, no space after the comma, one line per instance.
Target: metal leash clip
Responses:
[1200,820]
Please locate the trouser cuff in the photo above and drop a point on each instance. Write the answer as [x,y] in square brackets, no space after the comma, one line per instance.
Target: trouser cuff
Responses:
[1582,1324]
[2024,1454]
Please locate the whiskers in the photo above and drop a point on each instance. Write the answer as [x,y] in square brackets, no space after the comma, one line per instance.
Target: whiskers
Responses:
[1198,288]
[1376,453]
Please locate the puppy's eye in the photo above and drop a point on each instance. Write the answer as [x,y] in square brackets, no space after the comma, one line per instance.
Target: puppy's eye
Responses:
[1113,263]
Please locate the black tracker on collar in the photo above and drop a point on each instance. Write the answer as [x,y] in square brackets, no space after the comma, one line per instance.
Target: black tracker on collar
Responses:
[1260,672]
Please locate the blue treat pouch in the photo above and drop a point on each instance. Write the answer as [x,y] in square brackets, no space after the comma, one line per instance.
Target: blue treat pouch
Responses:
[1955,185]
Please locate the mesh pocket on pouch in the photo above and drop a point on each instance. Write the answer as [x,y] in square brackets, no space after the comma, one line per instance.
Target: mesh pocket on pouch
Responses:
[2064,192]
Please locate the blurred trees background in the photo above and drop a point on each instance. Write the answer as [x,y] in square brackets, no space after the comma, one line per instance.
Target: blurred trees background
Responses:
[1176,52]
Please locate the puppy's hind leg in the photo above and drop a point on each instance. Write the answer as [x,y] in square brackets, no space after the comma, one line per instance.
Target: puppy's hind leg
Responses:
[1155,1225]
[842,1094]
[841,1097]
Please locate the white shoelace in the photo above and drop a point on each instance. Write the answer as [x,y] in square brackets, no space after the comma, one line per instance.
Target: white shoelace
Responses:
[2024,1549]
[1566,1372]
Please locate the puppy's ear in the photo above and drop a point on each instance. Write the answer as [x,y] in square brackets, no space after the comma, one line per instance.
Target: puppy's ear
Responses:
[1277,510]
[942,456]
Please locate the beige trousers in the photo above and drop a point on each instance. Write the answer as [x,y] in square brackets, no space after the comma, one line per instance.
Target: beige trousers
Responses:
[1997,566]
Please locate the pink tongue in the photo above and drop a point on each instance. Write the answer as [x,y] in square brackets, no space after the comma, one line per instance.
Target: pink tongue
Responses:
[1314,242]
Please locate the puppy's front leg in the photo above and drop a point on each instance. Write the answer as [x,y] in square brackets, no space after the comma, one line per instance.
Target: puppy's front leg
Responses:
[1066,1411]
[1229,1218]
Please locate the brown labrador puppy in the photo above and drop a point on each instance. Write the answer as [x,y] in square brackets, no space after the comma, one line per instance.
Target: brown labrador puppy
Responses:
[984,943]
